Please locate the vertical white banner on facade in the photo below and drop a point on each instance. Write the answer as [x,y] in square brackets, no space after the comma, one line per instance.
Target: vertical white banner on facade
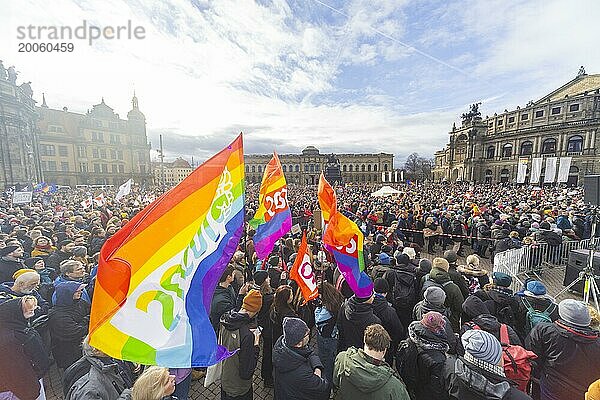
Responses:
[389,176]
[383,176]
[402,176]
[550,173]
[563,169]
[522,170]
[536,170]
[396,176]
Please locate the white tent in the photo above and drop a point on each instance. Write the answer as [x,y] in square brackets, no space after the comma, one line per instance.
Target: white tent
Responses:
[385,191]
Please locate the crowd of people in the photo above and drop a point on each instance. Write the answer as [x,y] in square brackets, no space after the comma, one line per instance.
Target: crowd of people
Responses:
[441,329]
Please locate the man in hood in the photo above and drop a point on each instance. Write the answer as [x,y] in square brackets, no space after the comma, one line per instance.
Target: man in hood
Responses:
[363,373]
[568,352]
[388,316]
[64,252]
[354,316]
[296,368]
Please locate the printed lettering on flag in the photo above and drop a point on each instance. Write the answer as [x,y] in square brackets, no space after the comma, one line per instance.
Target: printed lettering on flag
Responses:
[302,272]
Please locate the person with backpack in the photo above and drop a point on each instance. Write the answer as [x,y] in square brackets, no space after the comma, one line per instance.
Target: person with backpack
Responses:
[479,375]
[535,306]
[457,277]
[439,277]
[477,316]
[420,358]
[434,298]
[388,316]
[403,292]
[500,300]
[354,316]
[568,352]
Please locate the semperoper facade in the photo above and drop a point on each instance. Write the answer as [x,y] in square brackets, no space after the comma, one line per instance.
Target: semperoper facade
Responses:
[305,168]
[563,123]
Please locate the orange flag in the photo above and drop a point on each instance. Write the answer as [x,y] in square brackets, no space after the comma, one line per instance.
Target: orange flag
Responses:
[302,272]
[327,199]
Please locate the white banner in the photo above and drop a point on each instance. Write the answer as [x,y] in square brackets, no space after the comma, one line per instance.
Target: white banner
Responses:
[522,170]
[550,173]
[124,190]
[396,176]
[383,176]
[563,169]
[22,197]
[536,170]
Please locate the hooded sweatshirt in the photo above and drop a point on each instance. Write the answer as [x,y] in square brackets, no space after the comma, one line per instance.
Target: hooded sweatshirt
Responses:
[354,317]
[359,376]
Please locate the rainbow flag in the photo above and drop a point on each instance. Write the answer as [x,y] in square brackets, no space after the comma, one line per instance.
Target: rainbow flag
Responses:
[157,275]
[273,218]
[327,199]
[344,240]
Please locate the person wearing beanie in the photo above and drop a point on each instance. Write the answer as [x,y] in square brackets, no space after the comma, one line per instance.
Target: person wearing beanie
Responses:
[47,275]
[479,375]
[439,277]
[362,373]
[402,293]
[355,315]
[388,316]
[410,252]
[297,369]
[238,331]
[420,358]
[568,352]
[457,278]
[262,283]
[534,305]
[64,252]
[476,315]
[423,268]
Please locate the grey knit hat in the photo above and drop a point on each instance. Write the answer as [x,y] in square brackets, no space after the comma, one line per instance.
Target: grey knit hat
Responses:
[294,330]
[435,295]
[482,345]
[574,312]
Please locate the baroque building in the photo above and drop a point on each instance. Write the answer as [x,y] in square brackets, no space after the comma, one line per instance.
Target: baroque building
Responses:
[95,148]
[563,123]
[18,132]
[305,168]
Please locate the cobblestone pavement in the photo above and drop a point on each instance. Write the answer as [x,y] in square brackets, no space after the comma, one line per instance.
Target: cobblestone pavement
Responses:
[552,278]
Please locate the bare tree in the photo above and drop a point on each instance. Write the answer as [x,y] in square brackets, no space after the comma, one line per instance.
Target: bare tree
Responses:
[417,167]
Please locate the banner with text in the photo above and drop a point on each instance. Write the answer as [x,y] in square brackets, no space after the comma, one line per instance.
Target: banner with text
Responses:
[550,173]
[536,170]
[563,169]
[522,170]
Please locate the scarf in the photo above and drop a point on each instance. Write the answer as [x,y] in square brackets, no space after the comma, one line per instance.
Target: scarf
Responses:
[423,343]
[500,289]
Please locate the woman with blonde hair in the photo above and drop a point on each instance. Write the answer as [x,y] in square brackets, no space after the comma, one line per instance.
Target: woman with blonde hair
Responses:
[155,383]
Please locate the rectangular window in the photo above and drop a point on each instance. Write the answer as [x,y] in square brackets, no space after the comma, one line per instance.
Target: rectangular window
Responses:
[104,167]
[51,165]
[83,167]
[114,168]
[511,120]
[51,129]
[121,168]
[47,150]
[120,154]
[524,117]
[555,110]
[574,107]
[63,151]
[500,122]
[102,153]
[44,166]
[64,166]
[113,154]
[96,167]
[539,113]
[81,153]
[95,153]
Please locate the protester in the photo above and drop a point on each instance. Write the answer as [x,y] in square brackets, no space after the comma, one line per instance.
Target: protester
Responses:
[326,315]
[389,318]
[355,314]
[10,262]
[155,383]
[439,277]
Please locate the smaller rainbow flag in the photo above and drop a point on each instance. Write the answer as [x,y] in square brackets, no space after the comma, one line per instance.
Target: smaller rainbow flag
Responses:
[273,218]
[327,199]
[344,240]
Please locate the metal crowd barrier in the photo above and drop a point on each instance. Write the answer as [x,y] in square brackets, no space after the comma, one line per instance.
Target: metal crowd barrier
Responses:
[532,259]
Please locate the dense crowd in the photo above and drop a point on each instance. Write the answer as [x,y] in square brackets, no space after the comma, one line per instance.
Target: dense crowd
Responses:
[441,329]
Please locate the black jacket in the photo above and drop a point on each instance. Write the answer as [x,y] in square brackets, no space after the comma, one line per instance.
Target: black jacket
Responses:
[501,303]
[390,321]
[8,268]
[293,372]
[569,359]
[539,304]
[353,318]
[467,382]
[459,279]
[224,300]
[476,313]
[238,369]
[54,259]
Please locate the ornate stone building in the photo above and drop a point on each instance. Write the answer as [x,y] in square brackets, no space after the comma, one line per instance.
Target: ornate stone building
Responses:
[174,172]
[95,148]
[563,123]
[305,168]
[18,132]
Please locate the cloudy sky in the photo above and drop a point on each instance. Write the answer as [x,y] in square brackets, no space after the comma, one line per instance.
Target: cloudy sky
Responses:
[342,75]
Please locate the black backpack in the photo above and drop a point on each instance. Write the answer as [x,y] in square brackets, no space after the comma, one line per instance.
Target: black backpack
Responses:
[403,293]
[72,374]
[407,365]
[428,283]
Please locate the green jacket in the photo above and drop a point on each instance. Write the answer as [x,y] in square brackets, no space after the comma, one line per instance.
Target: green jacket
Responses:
[454,297]
[356,376]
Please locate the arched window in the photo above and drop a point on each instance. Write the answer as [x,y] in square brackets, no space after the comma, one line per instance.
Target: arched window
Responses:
[350,167]
[507,150]
[375,167]
[311,168]
[362,177]
[490,152]
[369,169]
[284,168]
[247,168]
[259,168]
[344,168]
[253,168]
[504,175]
[385,167]
[291,168]
[297,168]
[488,176]
[549,146]
[363,168]
[575,144]
[369,178]
[526,148]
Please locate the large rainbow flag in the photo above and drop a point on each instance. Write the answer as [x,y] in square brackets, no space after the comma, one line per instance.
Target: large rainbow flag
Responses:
[273,218]
[157,275]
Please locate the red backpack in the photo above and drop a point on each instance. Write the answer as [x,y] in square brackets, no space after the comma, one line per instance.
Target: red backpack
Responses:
[517,361]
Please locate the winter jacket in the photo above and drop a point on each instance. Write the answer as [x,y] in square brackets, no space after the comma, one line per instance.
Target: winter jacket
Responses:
[18,373]
[390,321]
[548,236]
[359,376]
[106,380]
[353,318]
[237,371]
[7,293]
[454,297]
[85,295]
[293,370]
[568,357]
[68,322]
[539,304]
[459,279]
[425,379]
[276,318]
[54,259]
[423,307]
[501,303]
[468,382]
[224,300]
[477,314]
[8,268]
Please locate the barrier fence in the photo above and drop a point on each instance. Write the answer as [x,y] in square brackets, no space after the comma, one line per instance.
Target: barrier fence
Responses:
[533,259]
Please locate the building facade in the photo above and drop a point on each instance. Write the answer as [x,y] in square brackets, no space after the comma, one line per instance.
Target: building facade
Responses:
[171,173]
[305,168]
[18,132]
[563,123]
[95,148]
